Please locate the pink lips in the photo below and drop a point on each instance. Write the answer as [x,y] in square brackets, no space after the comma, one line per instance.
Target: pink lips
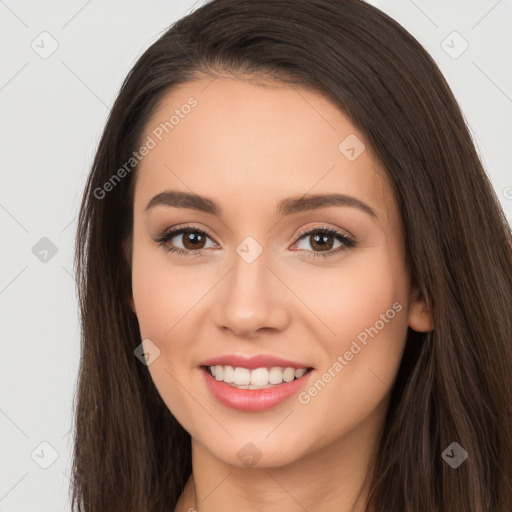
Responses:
[253,400]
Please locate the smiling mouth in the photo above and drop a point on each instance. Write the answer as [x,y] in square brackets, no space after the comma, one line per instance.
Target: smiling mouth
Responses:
[257,378]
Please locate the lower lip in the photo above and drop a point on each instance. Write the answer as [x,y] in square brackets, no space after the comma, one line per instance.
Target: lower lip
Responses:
[253,400]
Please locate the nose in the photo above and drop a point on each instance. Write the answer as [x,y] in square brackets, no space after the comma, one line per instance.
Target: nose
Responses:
[252,298]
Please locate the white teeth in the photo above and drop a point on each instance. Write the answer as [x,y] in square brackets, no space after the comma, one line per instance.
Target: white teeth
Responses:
[289,374]
[242,376]
[229,374]
[300,372]
[255,379]
[219,372]
[259,377]
[275,376]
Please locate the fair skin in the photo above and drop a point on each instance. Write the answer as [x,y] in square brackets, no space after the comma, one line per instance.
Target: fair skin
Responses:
[248,147]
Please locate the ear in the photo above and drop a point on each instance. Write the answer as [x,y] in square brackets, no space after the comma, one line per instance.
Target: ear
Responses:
[132,305]
[420,316]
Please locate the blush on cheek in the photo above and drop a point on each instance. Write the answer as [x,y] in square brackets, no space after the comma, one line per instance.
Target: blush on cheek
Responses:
[359,308]
[370,321]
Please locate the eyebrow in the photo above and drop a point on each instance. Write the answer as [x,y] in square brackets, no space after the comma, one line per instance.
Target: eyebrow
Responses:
[179,199]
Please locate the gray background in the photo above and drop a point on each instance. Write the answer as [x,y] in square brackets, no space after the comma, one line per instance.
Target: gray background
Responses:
[53,109]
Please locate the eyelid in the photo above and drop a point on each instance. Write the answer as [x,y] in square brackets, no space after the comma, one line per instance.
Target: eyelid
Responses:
[307,230]
[182,227]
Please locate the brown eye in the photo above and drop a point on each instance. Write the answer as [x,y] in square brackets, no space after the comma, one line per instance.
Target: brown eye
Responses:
[192,240]
[321,242]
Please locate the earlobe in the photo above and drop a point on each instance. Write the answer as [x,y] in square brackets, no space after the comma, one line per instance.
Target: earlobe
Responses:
[420,316]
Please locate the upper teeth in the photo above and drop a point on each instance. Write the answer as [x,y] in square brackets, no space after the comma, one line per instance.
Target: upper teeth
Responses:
[257,377]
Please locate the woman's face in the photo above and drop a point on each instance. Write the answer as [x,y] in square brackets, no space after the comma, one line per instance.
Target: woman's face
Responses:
[254,278]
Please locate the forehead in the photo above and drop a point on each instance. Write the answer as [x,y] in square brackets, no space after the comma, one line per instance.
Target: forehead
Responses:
[252,145]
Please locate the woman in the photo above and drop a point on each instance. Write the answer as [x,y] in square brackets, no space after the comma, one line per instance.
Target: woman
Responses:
[294,275]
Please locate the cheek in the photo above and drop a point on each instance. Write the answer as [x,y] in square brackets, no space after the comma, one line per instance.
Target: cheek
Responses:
[367,312]
[372,319]
[163,296]
[350,299]
[162,292]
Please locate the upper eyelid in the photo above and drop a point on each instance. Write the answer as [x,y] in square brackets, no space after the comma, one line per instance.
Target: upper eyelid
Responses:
[178,230]
[334,231]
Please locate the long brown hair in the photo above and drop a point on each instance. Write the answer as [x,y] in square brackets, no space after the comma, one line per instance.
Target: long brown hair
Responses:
[454,383]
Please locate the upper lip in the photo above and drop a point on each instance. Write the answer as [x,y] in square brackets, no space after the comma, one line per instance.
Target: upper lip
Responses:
[252,362]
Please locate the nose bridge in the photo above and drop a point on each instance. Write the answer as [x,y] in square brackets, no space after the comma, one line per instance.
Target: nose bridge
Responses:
[250,298]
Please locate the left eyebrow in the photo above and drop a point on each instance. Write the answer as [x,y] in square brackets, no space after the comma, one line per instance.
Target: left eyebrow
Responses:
[316,201]
[289,206]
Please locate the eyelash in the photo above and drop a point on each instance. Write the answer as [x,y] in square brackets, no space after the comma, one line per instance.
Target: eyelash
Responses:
[348,242]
